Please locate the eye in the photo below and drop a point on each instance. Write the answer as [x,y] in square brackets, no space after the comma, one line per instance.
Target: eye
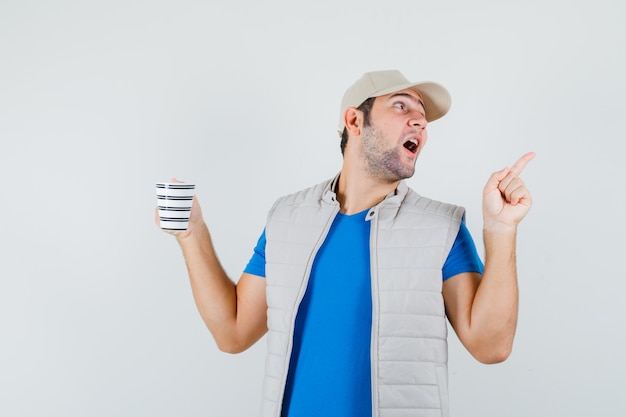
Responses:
[399,105]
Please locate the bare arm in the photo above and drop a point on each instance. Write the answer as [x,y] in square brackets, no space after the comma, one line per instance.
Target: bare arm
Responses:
[236,314]
[483,310]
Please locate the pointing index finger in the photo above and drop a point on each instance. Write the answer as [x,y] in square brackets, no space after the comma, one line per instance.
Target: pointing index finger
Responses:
[521,163]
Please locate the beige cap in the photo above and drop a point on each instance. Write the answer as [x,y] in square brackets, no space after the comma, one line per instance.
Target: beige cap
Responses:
[378,83]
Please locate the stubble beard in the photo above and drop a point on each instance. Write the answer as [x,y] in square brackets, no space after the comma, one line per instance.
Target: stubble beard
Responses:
[381,163]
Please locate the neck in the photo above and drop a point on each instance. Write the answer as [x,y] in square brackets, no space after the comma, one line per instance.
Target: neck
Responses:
[356,193]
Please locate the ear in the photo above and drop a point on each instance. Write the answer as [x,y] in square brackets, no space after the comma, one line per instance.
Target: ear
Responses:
[353,119]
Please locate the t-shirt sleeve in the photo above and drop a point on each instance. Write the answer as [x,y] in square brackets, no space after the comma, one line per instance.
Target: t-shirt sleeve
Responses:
[256,265]
[463,256]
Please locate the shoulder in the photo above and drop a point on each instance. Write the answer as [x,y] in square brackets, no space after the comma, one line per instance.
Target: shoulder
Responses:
[308,195]
[429,214]
[414,202]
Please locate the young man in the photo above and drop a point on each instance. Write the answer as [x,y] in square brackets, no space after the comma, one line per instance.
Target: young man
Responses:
[354,277]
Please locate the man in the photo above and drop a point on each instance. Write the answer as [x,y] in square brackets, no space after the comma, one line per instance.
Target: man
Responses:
[354,277]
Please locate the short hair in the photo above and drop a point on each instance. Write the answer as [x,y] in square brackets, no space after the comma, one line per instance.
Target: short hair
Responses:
[366,108]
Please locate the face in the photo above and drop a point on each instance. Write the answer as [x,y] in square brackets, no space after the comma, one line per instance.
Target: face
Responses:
[395,136]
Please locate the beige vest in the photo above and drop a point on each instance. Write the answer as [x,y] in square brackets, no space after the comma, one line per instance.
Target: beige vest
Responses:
[409,242]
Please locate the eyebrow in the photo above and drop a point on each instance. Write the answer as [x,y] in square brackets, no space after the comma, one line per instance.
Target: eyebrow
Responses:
[411,97]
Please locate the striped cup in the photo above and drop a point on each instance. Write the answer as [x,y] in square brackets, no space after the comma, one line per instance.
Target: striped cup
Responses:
[174,200]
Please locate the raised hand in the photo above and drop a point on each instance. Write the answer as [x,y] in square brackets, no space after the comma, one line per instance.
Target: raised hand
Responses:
[506,200]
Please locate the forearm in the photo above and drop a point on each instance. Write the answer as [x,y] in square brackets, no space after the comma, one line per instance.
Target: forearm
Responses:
[495,307]
[214,293]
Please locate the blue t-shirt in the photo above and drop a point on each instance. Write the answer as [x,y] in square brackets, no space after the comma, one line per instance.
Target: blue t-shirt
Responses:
[329,372]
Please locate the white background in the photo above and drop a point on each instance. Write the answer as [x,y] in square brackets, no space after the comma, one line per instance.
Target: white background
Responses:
[98,100]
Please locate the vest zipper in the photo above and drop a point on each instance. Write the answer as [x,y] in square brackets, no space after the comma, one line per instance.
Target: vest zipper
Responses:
[373,217]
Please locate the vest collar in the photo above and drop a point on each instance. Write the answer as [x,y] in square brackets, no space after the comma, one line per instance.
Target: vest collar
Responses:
[394,198]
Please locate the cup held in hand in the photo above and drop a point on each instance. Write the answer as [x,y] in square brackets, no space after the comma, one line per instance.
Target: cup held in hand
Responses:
[174,202]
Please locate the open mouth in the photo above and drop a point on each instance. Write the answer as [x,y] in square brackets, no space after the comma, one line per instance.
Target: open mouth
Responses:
[411,145]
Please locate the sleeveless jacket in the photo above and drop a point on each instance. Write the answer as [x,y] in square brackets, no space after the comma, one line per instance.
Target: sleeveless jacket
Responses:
[410,239]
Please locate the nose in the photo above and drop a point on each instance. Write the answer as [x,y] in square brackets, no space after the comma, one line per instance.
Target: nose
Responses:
[418,121]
